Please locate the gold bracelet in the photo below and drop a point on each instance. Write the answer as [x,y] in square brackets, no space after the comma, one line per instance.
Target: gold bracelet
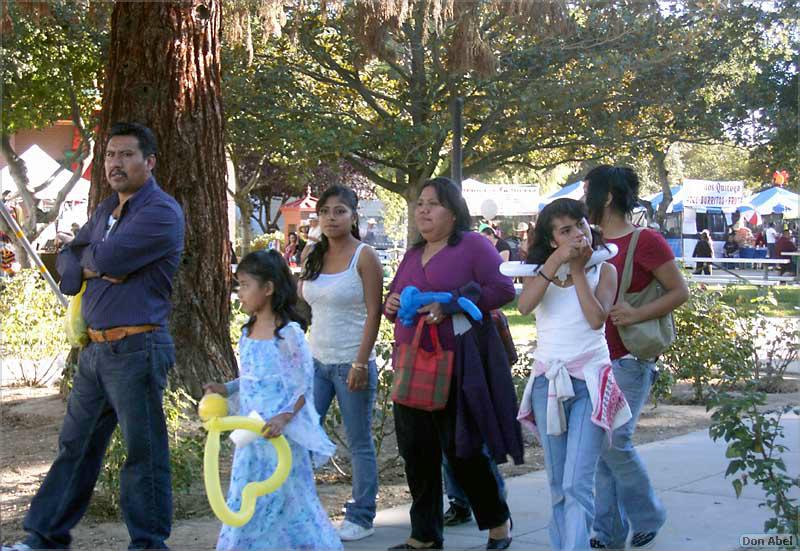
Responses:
[359,366]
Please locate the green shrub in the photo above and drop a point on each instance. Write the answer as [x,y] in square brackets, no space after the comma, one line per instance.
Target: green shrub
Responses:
[755,451]
[713,341]
[32,327]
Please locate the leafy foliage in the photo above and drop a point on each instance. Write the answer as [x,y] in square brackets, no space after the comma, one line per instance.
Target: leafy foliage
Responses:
[756,449]
[32,326]
[711,343]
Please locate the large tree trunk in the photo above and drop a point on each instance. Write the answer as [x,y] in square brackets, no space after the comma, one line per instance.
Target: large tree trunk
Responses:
[164,72]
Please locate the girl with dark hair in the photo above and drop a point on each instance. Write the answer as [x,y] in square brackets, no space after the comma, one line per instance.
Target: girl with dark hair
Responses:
[276,378]
[343,284]
[571,391]
[449,257]
[624,496]
[292,250]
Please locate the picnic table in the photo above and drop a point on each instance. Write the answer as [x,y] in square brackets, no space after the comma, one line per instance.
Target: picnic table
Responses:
[795,254]
[720,264]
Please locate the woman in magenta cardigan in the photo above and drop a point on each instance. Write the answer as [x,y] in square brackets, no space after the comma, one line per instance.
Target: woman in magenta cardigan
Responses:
[448,257]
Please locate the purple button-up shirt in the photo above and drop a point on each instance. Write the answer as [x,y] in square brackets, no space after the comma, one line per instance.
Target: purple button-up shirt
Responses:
[143,246]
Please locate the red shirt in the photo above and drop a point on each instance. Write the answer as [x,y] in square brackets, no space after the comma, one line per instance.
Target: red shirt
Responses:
[652,251]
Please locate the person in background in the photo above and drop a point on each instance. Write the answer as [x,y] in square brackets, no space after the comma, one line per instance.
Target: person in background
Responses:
[785,245]
[369,235]
[290,252]
[500,244]
[771,237]
[314,229]
[703,249]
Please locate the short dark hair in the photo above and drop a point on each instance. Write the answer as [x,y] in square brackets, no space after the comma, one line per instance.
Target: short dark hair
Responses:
[145,137]
[449,195]
[623,184]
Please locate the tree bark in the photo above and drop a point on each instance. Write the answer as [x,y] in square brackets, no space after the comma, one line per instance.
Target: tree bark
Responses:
[659,157]
[164,72]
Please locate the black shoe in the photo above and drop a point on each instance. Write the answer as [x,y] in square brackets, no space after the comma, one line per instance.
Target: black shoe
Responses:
[502,543]
[643,540]
[456,515]
[595,543]
[437,545]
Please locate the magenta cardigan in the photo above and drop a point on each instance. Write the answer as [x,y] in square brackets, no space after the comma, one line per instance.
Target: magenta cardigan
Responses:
[473,261]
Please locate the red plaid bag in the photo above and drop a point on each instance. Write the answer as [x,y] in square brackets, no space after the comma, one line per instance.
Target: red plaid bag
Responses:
[422,378]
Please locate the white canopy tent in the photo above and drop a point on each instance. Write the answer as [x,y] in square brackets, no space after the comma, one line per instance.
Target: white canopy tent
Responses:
[500,199]
[42,166]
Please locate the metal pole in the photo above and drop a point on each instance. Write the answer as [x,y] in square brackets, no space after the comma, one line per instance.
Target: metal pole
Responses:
[458,132]
[6,214]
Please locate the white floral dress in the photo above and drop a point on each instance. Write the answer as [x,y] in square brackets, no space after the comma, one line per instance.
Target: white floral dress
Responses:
[273,375]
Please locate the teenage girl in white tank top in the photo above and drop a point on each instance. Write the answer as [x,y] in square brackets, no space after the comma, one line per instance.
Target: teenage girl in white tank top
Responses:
[342,281]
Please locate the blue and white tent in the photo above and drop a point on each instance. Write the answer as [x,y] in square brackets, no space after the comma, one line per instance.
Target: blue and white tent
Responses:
[677,199]
[570,191]
[775,200]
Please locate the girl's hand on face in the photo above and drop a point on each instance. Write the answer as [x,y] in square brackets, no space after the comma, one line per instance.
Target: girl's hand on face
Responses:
[582,254]
[215,388]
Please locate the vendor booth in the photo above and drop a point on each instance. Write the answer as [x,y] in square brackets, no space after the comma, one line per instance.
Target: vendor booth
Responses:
[699,205]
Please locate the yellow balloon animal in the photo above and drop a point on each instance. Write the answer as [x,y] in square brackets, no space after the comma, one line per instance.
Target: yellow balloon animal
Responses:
[213,409]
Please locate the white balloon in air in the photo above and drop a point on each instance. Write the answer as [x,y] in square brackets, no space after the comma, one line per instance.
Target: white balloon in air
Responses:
[489,209]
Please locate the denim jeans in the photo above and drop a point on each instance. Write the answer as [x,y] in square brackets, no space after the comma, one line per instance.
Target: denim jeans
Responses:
[117,382]
[625,498]
[455,493]
[356,406]
[571,460]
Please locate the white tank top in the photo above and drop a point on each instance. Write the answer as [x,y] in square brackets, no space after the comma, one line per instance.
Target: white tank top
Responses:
[338,314]
[562,332]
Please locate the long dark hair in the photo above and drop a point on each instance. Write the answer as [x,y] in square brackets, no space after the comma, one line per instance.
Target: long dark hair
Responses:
[540,248]
[450,197]
[623,184]
[270,266]
[313,265]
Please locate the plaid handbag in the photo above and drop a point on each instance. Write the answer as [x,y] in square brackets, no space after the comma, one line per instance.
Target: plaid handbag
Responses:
[422,378]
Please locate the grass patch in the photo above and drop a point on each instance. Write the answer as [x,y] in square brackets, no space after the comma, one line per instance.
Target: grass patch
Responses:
[523,328]
[741,297]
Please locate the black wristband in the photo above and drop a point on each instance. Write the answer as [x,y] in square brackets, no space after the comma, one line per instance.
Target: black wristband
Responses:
[541,273]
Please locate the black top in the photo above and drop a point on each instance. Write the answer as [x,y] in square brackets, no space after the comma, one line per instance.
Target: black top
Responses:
[501,246]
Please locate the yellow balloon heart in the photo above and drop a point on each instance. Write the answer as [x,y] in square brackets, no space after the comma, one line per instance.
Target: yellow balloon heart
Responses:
[253,490]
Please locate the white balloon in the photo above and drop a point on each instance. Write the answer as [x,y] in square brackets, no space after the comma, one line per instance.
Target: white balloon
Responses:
[489,209]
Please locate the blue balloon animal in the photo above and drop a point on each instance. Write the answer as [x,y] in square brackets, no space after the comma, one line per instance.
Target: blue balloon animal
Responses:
[412,299]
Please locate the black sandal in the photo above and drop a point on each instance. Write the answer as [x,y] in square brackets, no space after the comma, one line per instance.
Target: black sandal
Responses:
[436,545]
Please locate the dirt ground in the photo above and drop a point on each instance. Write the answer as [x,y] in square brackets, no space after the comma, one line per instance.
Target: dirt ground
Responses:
[31,419]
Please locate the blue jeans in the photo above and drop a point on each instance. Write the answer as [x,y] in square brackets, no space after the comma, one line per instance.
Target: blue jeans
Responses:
[118,382]
[625,498]
[455,493]
[571,460]
[356,406]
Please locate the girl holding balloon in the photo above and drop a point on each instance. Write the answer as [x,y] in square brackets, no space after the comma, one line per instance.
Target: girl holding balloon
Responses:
[276,381]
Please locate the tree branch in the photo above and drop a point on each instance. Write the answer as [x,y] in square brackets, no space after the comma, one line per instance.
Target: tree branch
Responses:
[365,170]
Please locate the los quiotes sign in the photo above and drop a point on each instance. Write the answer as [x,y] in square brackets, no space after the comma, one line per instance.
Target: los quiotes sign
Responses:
[708,193]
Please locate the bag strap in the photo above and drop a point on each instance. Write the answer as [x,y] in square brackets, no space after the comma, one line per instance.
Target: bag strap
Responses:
[434,330]
[418,333]
[627,270]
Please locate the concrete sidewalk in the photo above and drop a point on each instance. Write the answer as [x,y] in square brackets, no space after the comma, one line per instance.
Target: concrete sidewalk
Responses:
[688,472]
